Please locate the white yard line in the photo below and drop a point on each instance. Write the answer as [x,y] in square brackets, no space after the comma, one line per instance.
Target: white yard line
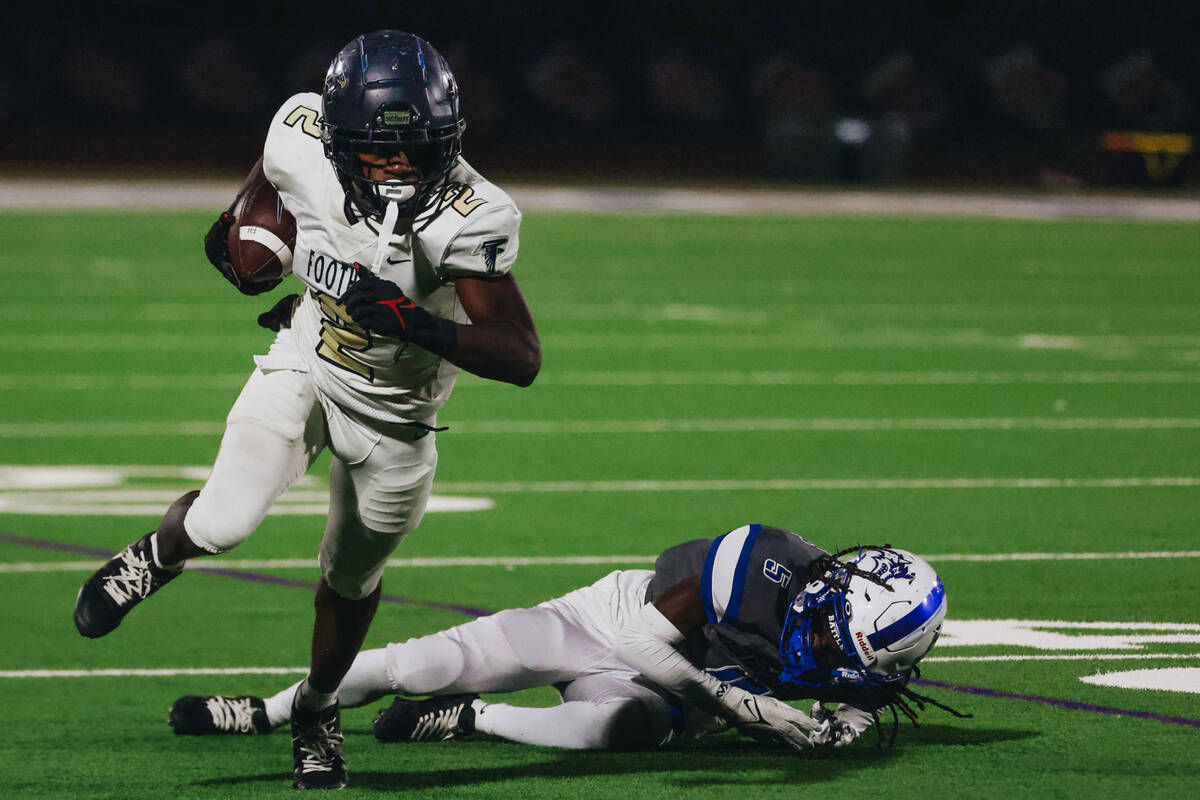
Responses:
[134,490]
[149,673]
[1064,657]
[766,378]
[551,561]
[85,382]
[159,194]
[709,339]
[816,484]
[48,430]
[821,424]
[181,671]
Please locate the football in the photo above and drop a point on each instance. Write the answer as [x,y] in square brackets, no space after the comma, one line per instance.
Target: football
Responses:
[262,236]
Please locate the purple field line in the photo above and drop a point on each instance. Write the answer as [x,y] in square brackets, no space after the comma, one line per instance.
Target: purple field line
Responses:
[252,577]
[1073,705]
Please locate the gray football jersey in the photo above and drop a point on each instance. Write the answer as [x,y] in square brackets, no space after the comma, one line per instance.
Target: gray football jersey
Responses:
[748,580]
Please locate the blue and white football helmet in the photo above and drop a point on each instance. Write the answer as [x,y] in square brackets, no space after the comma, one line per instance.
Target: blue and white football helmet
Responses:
[867,623]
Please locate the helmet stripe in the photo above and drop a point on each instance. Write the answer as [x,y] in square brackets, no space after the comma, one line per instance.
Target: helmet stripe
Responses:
[911,621]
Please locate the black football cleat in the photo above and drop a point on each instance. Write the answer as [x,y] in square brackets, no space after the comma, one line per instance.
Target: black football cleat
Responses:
[204,716]
[127,579]
[435,719]
[317,761]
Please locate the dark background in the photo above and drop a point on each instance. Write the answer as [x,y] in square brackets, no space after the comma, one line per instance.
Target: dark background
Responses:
[997,93]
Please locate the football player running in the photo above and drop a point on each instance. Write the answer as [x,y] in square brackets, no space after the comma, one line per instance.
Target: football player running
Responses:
[405,255]
[722,632]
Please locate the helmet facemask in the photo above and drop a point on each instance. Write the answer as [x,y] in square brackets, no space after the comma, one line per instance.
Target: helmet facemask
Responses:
[814,641]
[433,156]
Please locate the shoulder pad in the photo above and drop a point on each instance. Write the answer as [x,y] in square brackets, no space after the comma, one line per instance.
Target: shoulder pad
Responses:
[293,147]
[476,235]
[753,557]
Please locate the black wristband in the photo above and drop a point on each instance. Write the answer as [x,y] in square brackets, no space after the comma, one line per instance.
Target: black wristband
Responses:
[438,335]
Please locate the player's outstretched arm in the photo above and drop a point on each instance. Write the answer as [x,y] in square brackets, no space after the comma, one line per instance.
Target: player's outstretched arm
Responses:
[501,343]
[650,644]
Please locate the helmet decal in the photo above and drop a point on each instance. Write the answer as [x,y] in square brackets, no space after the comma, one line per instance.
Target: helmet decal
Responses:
[891,565]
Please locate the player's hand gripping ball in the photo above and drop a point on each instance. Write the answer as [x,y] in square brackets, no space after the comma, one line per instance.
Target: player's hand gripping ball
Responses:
[252,243]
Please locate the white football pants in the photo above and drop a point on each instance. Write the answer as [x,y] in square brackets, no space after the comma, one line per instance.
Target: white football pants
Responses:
[566,642]
[274,432]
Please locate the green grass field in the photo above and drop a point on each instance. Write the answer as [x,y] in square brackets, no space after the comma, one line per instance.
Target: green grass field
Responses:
[972,390]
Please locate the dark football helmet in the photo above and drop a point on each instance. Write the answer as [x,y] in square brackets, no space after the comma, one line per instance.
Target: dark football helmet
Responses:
[386,93]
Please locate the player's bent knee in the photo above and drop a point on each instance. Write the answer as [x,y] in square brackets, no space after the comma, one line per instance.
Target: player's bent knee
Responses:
[629,725]
[426,665]
[219,527]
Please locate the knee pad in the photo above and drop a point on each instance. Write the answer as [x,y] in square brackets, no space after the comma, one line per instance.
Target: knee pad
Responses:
[426,665]
[217,527]
[629,726]
[254,466]
[634,716]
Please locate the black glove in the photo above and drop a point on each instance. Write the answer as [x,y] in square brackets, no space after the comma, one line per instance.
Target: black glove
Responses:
[216,247]
[280,315]
[382,307]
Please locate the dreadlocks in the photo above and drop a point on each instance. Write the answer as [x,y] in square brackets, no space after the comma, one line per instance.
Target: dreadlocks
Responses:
[825,568]
[904,701]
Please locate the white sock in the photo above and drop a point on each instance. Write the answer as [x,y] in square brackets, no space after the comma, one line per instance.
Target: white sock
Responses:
[279,706]
[310,699]
[367,680]
[576,725]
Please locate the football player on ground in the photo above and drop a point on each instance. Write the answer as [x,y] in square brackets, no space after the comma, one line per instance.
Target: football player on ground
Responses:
[405,255]
[721,633]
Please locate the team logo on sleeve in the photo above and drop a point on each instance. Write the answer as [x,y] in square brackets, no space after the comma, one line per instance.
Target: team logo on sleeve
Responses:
[490,249]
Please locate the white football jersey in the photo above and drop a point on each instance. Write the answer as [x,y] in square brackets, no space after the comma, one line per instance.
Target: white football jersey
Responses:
[476,235]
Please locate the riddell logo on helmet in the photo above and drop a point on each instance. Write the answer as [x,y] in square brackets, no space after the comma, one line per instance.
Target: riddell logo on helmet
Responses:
[864,647]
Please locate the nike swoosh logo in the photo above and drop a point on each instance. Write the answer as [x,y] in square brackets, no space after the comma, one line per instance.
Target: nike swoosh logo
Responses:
[391,260]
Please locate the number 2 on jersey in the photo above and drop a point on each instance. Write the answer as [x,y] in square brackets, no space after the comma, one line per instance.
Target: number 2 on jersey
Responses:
[307,117]
[341,336]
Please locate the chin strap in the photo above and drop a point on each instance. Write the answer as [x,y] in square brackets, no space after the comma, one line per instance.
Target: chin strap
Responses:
[387,235]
